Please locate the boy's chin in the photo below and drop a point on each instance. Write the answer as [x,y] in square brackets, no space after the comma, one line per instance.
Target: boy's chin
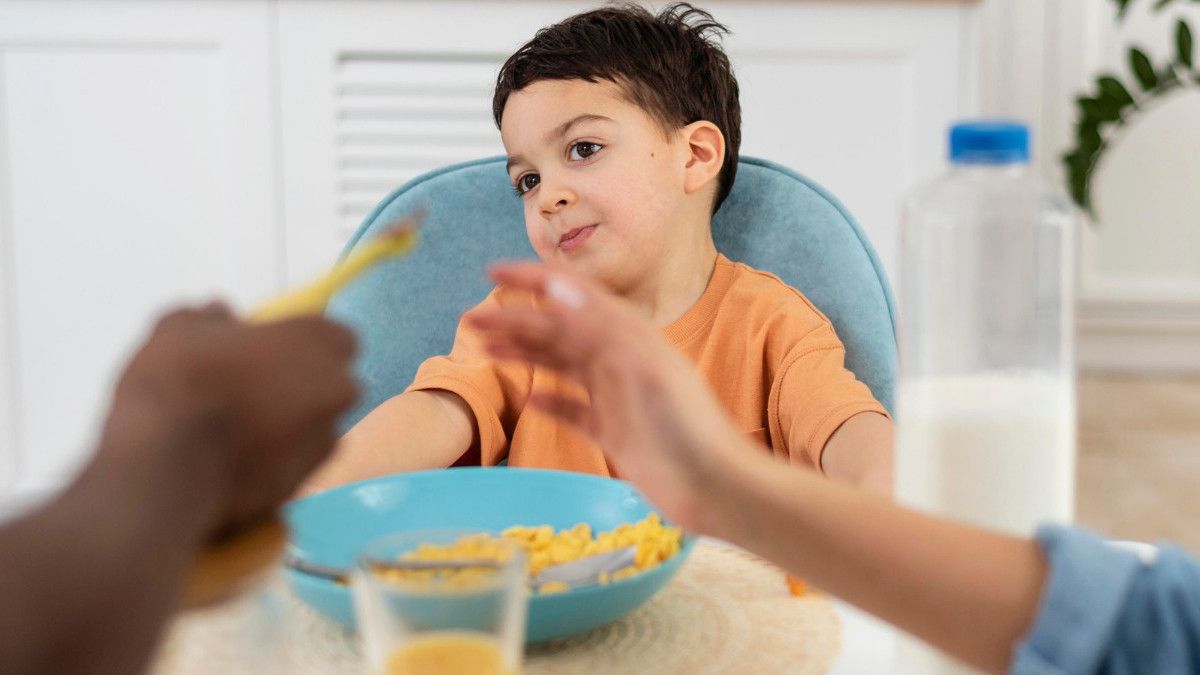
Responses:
[616,278]
[589,265]
[595,265]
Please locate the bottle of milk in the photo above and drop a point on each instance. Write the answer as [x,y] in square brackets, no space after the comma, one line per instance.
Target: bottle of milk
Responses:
[986,394]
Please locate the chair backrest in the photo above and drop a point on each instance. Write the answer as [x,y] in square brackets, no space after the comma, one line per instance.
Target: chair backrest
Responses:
[774,219]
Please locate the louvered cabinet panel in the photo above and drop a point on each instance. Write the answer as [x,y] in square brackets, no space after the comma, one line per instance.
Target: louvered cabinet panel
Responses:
[398,116]
[373,94]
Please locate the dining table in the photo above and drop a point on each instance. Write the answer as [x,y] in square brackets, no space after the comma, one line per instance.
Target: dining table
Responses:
[726,611]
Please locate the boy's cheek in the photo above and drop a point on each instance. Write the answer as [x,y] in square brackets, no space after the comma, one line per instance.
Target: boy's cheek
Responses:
[539,239]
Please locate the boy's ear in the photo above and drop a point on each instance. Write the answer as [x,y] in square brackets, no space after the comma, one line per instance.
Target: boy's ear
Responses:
[706,154]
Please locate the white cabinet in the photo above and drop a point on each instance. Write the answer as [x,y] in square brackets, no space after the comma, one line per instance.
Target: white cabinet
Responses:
[153,152]
[855,95]
[375,93]
[138,168]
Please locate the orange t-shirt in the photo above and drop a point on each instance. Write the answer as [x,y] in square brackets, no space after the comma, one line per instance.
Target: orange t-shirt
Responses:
[772,359]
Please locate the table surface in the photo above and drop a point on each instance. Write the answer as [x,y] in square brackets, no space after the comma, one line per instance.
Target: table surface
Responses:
[727,611]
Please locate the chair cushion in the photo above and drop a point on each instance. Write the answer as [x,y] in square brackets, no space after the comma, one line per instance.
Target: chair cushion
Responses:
[774,220]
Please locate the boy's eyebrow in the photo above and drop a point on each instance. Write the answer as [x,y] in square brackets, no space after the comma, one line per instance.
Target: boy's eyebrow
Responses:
[562,129]
[558,132]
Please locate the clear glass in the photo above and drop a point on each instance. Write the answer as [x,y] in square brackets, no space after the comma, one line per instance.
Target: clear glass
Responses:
[462,614]
[986,393]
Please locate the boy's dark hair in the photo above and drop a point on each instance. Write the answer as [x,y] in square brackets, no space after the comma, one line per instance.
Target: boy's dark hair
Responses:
[671,65]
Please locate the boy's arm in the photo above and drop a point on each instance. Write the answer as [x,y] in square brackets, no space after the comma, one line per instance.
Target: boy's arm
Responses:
[423,429]
[860,453]
[828,419]
[431,425]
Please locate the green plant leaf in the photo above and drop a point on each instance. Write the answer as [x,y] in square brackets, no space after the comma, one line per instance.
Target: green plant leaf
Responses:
[1077,181]
[1109,110]
[1168,79]
[1112,88]
[1142,68]
[1078,164]
[1079,160]
[1183,43]
[1122,6]
[1088,135]
[1161,3]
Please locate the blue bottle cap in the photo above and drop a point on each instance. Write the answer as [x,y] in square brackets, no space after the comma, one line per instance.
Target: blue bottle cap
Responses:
[989,143]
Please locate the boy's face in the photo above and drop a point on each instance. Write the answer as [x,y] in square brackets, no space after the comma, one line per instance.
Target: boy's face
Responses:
[603,186]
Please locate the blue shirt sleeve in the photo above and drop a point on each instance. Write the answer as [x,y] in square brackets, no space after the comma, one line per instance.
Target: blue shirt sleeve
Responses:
[1112,611]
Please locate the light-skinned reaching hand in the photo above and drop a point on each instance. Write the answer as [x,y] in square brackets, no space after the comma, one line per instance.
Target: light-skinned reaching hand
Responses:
[969,592]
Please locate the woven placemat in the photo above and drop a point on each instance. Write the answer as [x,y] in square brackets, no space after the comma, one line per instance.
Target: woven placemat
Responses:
[726,612]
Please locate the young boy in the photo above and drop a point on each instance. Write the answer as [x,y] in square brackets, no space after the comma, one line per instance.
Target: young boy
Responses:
[622,130]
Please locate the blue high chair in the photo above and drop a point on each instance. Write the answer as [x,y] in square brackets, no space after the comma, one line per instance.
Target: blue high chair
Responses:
[774,219]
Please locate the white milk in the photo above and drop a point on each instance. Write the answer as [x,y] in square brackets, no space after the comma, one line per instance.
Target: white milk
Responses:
[996,450]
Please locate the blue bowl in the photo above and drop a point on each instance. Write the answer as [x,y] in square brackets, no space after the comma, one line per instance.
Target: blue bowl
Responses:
[329,528]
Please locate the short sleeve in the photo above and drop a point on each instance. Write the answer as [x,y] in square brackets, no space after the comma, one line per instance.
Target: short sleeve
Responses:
[495,392]
[813,395]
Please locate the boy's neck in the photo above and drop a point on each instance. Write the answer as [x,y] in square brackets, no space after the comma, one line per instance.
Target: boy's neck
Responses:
[674,287]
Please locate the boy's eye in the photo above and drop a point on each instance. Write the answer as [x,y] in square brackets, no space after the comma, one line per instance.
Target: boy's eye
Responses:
[526,182]
[584,149]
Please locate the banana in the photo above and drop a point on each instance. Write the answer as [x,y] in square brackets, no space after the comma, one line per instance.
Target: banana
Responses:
[226,565]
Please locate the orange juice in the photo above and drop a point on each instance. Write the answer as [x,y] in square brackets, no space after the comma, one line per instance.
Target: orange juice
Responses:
[448,653]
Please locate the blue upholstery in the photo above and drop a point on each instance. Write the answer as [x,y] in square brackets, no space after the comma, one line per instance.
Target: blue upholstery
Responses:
[774,219]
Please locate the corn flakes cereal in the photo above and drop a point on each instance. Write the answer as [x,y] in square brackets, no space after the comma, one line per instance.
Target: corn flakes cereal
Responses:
[543,547]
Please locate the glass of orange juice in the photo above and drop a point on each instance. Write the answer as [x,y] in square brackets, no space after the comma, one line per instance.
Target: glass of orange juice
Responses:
[441,602]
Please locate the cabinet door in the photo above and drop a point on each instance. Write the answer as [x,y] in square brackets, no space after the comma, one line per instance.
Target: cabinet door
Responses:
[857,95]
[136,169]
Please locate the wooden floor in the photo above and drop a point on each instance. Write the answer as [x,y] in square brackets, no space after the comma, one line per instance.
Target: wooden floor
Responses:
[1139,458]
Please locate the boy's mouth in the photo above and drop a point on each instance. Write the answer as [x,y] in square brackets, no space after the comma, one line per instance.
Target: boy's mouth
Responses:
[573,239]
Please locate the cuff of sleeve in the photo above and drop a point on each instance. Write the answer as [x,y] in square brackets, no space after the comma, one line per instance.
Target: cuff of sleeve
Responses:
[832,421]
[493,444]
[1086,587]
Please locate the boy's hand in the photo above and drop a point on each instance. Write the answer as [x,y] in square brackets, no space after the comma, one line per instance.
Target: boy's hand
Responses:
[649,410]
[245,410]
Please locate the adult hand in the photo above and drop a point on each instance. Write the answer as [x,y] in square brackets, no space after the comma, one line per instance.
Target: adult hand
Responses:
[652,414]
[252,406]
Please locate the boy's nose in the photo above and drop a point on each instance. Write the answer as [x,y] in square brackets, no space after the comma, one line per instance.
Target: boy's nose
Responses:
[554,200]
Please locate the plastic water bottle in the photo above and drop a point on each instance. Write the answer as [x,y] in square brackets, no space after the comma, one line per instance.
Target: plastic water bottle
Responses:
[986,393]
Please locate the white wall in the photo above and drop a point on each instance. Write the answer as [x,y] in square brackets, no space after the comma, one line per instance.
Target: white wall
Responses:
[158,152]
[137,169]
[1139,307]
[855,94]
